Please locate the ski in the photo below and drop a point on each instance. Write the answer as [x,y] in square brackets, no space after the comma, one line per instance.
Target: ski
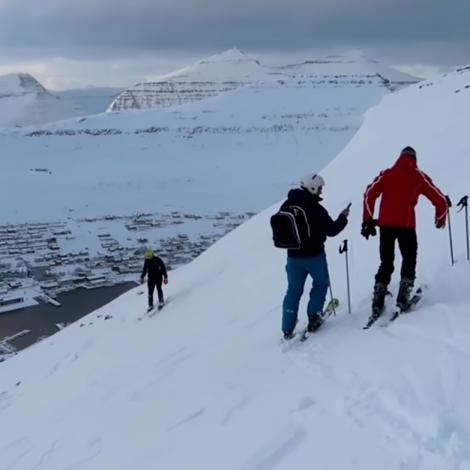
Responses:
[395,313]
[372,319]
[151,312]
[376,315]
[414,301]
[158,308]
[332,305]
[155,310]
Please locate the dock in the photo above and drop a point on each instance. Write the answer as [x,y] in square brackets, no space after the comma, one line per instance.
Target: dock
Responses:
[6,348]
[49,300]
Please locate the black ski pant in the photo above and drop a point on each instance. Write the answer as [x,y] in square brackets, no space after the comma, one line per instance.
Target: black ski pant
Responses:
[408,245]
[152,283]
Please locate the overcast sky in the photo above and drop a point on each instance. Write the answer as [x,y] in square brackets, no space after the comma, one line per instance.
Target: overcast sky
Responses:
[72,43]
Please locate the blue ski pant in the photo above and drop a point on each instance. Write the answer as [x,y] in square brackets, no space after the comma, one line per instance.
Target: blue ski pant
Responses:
[297,271]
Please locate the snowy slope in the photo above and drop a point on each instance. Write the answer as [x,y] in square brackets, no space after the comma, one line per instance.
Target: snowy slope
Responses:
[352,62]
[25,102]
[205,384]
[206,78]
[239,151]
[93,100]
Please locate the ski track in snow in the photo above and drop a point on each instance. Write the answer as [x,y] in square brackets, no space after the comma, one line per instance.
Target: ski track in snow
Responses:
[278,450]
[186,420]
[233,410]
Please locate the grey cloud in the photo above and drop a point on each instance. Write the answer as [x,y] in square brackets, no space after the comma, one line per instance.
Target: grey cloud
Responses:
[85,29]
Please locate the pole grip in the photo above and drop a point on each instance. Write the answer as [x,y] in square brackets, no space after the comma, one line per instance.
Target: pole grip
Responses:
[463,203]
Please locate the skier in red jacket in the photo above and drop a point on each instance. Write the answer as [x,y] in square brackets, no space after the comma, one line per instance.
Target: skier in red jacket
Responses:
[400,187]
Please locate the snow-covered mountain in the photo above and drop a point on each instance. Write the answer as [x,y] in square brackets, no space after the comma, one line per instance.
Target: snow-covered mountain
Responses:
[207,374]
[240,150]
[92,99]
[233,69]
[24,102]
[353,62]
[207,78]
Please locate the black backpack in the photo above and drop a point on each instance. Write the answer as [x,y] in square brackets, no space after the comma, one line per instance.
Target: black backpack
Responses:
[290,227]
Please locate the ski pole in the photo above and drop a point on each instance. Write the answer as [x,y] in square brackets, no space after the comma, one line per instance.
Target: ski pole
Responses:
[449,204]
[344,249]
[464,203]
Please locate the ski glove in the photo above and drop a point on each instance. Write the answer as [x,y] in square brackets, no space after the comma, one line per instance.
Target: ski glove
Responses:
[368,228]
[440,223]
[165,281]
[141,280]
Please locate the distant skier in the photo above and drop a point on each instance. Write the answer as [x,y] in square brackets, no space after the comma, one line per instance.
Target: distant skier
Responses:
[400,187]
[301,226]
[157,273]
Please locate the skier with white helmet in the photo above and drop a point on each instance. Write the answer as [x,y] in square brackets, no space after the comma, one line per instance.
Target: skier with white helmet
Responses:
[301,226]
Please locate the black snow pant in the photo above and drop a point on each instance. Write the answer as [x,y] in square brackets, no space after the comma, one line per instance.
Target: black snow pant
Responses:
[408,245]
[152,283]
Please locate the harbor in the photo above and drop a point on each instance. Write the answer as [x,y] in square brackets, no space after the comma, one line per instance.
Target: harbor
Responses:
[25,327]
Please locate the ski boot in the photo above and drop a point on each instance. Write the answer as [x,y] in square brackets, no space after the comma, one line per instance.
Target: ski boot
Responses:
[288,335]
[149,308]
[378,303]
[404,294]
[314,322]
[161,303]
[378,299]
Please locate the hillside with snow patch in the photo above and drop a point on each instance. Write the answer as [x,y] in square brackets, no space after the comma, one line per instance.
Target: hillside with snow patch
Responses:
[238,151]
[206,78]
[25,102]
[205,383]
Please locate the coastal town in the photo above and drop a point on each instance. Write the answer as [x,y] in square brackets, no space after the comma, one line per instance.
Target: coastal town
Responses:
[40,260]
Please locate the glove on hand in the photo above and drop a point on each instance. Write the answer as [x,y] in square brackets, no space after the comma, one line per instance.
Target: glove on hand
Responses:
[165,281]
[440,223]
[368,228]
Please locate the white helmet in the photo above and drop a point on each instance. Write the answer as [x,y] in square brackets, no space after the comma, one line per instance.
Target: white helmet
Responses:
[312,182]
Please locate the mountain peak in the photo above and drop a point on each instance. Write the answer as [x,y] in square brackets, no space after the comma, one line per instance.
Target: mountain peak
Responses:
[24,102]
[233,55]
[205,78]
[21,83]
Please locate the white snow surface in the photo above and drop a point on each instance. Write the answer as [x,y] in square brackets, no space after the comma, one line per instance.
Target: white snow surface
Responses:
[233,69]
[205,383]
[24,102]
[240,151]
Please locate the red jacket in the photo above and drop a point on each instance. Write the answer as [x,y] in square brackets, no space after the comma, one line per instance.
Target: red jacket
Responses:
[400,187]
